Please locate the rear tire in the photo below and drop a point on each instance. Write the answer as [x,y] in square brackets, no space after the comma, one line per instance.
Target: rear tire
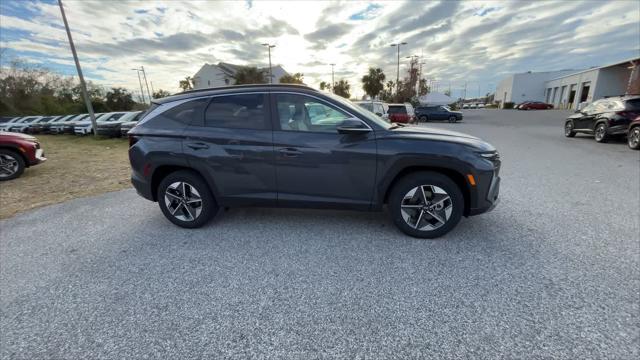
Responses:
[12,165]
[568,129]
[633,138]
[426,204]
[601,133]
[186,200]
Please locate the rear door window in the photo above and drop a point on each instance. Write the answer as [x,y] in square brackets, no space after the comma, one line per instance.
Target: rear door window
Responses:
[245,111]
[632,105]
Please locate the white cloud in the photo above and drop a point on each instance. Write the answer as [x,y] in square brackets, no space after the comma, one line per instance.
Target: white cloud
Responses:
[461,41]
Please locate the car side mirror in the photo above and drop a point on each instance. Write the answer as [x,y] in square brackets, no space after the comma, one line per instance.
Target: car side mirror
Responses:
[353,126]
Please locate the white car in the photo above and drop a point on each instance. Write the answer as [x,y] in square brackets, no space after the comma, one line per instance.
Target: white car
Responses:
[23,124]
[6,125]
[465,106]
[86,127]
[481,106]
[377,107]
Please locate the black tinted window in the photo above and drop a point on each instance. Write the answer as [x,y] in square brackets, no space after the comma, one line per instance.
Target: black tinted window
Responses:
[397,110]
[185,113]
[633,104]
[237,111]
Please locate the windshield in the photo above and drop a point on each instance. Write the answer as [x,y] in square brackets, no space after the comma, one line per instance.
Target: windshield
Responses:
[360,110]
[397,109]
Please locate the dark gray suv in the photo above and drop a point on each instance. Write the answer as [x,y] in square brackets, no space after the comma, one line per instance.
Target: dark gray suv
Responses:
[293,146]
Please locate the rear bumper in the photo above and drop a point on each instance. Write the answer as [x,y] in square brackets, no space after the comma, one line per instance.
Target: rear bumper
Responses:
[142,186]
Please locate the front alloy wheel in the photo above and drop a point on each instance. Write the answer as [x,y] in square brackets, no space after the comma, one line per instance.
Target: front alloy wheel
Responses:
[426,207]
[426,204]
[568,129]
[633,139]
[11,165]
[452,119]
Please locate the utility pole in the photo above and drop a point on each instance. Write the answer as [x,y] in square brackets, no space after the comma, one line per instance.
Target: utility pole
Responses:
[398,66]
[83,85]
[333,82]
[465,90]
[152,91]
[140,81]
[269,46]
[144,73]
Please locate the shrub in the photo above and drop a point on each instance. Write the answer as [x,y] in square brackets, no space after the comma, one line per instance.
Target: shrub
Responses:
[508,105]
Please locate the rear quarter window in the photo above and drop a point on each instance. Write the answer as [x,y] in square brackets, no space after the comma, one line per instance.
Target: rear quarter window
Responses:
[187,113]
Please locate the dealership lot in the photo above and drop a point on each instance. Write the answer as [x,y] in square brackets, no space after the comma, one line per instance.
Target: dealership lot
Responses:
[553,271]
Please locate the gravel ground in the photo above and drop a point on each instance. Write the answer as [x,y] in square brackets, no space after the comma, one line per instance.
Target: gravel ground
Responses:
[552,272]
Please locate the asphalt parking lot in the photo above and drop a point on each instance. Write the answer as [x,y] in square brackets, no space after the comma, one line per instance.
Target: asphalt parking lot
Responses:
[553,271]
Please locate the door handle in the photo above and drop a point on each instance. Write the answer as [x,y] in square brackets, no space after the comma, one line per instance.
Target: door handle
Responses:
[198,146]
[290,152]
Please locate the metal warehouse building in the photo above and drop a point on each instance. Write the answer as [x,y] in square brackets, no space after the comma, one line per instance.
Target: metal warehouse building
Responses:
[527,86]
[571,90]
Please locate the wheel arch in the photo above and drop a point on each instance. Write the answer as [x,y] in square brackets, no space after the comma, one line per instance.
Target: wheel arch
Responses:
[162,171]
[16,150]
[457,177]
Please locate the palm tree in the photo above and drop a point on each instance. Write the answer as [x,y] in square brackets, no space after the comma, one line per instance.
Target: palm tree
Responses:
[186,84]
[373,83]
[342,88]
[250,75]
[325,85]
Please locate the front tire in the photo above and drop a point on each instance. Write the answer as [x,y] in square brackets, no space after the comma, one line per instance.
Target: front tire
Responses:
[601,133]
[426,205]
[11,165]
[633,138]
[424,118]
[568,129]
[186,200]
[452,119]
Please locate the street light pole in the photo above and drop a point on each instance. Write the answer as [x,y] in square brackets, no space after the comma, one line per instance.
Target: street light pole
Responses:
[144,73]
[333,82]
[269,46]
[398,66]
[140,81]
[83,85]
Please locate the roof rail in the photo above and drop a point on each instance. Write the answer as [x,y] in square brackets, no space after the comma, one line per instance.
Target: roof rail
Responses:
[245,86]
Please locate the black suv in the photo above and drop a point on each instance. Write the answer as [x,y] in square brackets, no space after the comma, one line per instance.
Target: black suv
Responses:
[293,146]
[439,112]
[604,118]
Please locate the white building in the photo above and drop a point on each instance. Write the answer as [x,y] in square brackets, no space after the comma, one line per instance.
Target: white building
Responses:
[527,86]
[570,90]
[222,74]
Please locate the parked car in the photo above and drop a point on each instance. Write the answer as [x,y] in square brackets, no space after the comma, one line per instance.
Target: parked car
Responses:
[465,106]
[37,126]
[225,147]
[6,119]
[437,112]
[125,127]
[67,126]
[604,118]
[47,127]
[377,107]
[111,127]
[633,134]
[534,105]
[7,124]
[85,127]
[17,152]
[480,106]
[22,125]
[401,113]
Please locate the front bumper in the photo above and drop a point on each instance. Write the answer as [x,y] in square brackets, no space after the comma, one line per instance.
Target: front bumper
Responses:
[491,199]
[82,130]
[39,158]
[108,131]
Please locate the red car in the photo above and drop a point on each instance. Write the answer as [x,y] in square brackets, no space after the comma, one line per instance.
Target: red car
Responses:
[18,151]
[535,105]
[633,136]
[401,113]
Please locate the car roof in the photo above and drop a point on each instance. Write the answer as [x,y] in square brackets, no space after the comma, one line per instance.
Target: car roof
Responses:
[231,89]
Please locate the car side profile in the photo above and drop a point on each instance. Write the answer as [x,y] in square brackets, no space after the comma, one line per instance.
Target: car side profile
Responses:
[437,112]
[604,118]
[260,145]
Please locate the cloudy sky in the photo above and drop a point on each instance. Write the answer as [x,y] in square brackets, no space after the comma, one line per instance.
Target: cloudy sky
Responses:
[473,41]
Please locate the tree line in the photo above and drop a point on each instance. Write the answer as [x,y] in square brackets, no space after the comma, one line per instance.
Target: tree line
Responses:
[32,90]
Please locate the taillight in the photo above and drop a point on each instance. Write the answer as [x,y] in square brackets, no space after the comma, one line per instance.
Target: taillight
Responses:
[133,140]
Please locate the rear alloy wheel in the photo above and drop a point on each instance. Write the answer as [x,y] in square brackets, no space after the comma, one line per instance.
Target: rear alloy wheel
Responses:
[452,119]
[568,129]
[424,118]
[633,138]
[185,199]
[11,165]
[601,133]
[426,205]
